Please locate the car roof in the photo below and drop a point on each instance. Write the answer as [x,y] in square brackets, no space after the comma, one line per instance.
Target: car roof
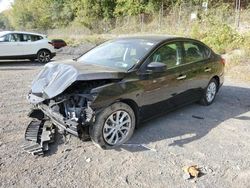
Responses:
[20,32]
[153,38]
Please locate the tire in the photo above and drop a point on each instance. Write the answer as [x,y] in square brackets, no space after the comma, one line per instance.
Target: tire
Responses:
[43,56]
[106,133]
[210,92]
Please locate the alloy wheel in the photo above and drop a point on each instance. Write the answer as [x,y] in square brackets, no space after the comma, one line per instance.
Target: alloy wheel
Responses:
[44,57]
[211,91]
[116,127]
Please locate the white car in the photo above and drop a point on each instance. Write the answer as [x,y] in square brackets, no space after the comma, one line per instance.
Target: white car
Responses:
[24,45]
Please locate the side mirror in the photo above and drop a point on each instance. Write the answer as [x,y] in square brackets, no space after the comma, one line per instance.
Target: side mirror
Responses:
[156,67]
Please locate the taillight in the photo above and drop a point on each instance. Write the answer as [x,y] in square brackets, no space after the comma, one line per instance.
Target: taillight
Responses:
[223,61]
[51,43]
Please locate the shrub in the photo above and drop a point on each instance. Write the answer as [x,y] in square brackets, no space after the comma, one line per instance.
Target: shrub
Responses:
[222,38]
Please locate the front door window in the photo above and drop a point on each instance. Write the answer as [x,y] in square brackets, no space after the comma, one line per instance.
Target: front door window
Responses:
[169,54]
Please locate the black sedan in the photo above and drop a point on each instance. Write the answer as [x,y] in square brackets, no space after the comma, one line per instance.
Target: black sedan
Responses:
[110,89]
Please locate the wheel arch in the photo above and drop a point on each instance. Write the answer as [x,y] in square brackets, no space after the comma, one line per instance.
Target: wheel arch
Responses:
[46,49]
[217,78]
[134,107]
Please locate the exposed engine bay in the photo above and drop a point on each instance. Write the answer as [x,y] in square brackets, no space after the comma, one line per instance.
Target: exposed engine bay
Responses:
[70,112]
[74,105]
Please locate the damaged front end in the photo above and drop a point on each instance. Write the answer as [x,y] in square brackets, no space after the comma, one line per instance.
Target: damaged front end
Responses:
[70,112]
[61,100]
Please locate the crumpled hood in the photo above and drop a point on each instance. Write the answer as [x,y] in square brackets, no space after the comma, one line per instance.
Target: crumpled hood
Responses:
[57,76]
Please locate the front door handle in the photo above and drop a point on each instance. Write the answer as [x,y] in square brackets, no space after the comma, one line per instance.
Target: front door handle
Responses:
[181,77]
[208,69]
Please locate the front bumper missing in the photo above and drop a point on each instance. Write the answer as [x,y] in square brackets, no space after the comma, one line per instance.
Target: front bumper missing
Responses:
[38,135]
[40,132]
[58,120]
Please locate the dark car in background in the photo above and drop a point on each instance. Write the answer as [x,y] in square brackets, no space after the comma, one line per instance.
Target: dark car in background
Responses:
[112,88]
[58,43]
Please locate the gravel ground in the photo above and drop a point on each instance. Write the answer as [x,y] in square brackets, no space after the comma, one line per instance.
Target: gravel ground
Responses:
[219,144]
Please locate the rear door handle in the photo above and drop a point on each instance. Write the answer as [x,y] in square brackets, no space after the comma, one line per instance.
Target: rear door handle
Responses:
[208,69]
[181,77]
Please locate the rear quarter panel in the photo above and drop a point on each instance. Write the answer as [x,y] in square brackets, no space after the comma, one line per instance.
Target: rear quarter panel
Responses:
[42,44]
[217,68]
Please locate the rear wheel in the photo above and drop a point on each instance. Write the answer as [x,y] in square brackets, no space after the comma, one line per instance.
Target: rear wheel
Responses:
[114,126]
[210,92]
[43,56]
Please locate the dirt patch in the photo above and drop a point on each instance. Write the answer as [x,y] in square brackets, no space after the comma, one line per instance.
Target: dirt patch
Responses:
[238,65]
[75,51]
[218,142]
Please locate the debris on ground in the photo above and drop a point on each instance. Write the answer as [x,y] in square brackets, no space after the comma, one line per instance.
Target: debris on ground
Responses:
[186,176]
[66,150]
[206,170]
[191,171]
[38,136]
[197,117]
[88,160]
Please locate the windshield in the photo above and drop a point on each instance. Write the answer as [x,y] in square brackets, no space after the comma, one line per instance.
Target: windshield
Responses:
[2,33]
[2,36]
[121,54]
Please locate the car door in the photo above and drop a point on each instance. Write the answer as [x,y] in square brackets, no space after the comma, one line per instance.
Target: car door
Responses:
[27,44]
[197,60]
[165,90]
[7,45]
[31,44]
[11,46]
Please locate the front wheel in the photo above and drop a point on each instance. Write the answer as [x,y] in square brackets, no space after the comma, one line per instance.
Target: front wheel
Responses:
[43,56]
[114,126]
[209,93]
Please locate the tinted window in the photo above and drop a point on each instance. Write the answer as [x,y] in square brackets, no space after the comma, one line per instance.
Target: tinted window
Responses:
[26,38]
[29,38]
[195,52]
[35,37]
[14,37]
[170,54]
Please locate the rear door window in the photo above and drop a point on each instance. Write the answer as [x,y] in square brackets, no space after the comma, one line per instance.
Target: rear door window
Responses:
[26,38]
[195,52]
